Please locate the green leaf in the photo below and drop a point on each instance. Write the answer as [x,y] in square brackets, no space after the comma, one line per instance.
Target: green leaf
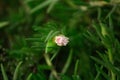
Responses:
[76,67]
[51,5]
[92,37]
[3,24]
[68,62]
[50,46]
[3,73]
[54,55]
[16,71]
[98,60]
[49,35]
[41,5]
[98,30]
[111,12]
[50,42]
[110,23]
[29,76]
[106,63]
[104,30]
[102,72]
[99,14]
[98,72]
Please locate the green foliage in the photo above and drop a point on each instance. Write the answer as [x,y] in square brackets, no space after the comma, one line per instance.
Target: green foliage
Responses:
[16,73]
[15,76]
[3,73]
[28,29]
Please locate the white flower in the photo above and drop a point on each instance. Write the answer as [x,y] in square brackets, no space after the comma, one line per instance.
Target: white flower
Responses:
[61,40]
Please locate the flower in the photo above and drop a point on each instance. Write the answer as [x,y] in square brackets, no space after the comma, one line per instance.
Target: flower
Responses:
[61,40]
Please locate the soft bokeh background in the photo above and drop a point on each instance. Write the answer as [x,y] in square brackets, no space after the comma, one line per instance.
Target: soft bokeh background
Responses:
[93,28]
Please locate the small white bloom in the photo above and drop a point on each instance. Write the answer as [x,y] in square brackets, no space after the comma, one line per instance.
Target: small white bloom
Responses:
[61,40]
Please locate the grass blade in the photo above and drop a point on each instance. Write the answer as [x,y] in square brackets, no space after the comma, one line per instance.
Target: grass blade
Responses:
[40,6]
[29,76]
[3,73]
[51,5]
[76,67]
[68,62]
[16,71]
[3,24]
[102,73]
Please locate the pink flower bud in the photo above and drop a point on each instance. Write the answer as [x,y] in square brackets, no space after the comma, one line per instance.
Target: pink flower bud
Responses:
[61,40]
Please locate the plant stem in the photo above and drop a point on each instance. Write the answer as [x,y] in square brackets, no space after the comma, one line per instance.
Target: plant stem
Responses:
[67,64]
[113,76]
[110,13]
[49,63]
[76,67]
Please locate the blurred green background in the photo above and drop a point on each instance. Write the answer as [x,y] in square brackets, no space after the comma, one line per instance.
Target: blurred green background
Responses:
[93,29]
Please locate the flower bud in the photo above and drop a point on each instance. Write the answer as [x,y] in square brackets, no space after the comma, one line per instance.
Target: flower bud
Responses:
[61,40]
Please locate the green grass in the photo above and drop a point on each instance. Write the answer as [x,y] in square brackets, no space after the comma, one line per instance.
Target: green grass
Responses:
[27,40]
